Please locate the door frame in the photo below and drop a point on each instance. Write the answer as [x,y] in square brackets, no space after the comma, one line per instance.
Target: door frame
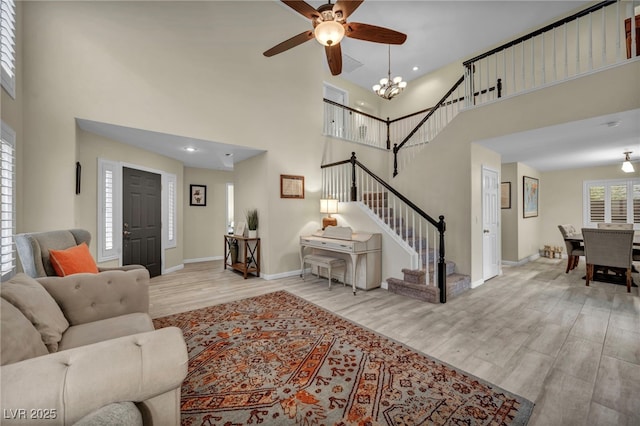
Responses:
[117,207]
[498,254]
[326,87]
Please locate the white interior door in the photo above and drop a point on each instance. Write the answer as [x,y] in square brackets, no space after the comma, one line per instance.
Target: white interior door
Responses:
[490,224]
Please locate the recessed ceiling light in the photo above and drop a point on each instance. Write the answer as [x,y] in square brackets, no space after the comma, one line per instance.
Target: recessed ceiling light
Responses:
[190,149]
[416,68]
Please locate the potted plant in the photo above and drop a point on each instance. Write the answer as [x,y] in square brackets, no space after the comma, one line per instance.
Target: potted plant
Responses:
[252,222]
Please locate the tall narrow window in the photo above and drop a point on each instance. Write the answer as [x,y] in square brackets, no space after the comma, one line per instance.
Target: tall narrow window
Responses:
[612,201]
[169,190]
[7,202]
[230,207]
[108,205]
[8,45]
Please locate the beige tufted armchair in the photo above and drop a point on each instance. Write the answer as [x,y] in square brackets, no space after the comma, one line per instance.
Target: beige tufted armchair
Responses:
[33,250]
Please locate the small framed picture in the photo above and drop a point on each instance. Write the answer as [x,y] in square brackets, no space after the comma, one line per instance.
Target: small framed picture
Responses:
[291,186]
[505,195]
[240,229]
[198,195]
[530,196]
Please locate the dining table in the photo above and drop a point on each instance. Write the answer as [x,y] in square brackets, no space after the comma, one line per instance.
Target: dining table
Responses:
[577,238]
[602,275]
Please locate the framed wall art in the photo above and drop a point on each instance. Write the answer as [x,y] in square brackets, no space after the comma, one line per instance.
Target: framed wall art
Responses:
[505,195]
[291,186]
[198,195]
[530,189]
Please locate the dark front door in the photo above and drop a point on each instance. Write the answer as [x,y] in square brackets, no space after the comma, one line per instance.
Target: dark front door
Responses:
[142,230]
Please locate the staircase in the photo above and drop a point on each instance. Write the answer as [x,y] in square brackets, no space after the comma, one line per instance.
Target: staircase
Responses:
[419,283]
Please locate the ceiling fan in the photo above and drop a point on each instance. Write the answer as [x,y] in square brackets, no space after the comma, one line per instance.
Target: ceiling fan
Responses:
[330,26]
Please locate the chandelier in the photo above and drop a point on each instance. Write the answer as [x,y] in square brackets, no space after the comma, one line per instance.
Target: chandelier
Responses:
[388,87]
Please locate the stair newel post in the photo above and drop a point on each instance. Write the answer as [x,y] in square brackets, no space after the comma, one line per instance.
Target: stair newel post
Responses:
[354,188]
[395,159]
[442,271]
[388,133]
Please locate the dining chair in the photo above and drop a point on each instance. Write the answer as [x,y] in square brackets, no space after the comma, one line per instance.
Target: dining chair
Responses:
[574,248]
[611,248]
[615,225]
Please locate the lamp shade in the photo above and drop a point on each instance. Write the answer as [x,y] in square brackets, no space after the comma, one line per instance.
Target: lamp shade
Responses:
[329,33]
[328,205]
[627,167]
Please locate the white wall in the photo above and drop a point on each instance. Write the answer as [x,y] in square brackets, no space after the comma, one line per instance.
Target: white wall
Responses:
[561,198]
[204,226]
[510,216]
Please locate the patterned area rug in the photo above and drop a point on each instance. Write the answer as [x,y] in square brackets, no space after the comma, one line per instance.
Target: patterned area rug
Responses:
[277,359]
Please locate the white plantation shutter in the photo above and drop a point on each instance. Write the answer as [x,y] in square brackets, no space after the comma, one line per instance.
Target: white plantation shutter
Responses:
[636,203]
[612,201]
[7,45]
[169,190]
[108,205]
[7,202]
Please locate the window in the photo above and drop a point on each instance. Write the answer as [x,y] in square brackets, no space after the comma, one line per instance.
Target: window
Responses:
[7,202]
[169,190]
[612,201]
[7,45]
[108,205]
[230,207]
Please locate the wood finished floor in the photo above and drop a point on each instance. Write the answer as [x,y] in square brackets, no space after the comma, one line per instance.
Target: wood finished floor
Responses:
[535,331]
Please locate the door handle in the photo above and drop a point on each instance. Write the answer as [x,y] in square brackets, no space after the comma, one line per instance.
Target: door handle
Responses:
[126,234]
[486,231]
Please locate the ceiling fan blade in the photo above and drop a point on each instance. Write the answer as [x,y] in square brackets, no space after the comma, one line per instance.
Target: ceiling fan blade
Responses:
[288,44]
[373,33]
[302,8]
[334,58]
[347,7]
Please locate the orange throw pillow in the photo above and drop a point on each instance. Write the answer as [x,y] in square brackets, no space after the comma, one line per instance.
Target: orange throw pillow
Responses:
[74,260]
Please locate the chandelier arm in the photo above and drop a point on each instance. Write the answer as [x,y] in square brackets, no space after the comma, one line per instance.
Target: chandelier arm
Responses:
[390,88]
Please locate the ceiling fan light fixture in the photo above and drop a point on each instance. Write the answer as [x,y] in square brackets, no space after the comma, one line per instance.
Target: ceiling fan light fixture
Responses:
[329,33]
[627,167]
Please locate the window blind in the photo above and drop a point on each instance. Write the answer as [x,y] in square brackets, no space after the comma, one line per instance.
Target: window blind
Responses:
[7,202]
[611,201]
[7,45]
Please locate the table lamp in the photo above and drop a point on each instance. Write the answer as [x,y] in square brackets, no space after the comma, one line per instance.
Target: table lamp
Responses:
[329,205]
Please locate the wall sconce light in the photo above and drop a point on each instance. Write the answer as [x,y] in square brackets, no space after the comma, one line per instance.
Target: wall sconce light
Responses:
[627,167]
[329,205]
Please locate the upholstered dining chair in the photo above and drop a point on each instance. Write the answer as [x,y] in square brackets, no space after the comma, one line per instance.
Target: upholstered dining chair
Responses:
[33,250]
[615,225]
[610,248]
[574,248]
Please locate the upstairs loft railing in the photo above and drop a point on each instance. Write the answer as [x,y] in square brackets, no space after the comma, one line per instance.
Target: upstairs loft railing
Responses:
[589,40]
[350,180]
[411,132]
[584,42]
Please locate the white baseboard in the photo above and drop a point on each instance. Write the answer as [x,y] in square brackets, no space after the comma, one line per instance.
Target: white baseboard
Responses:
[477,283]
[522,261]
[173,269]
[281,275]
[203,259]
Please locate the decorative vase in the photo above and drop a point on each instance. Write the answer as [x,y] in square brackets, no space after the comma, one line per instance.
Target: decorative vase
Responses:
[234,251]
[253,233]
